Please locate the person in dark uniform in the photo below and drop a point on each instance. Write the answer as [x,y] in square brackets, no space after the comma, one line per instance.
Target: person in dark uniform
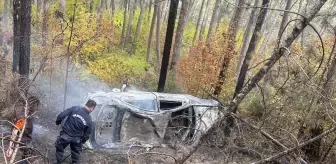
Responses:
[76,129]
[33,103]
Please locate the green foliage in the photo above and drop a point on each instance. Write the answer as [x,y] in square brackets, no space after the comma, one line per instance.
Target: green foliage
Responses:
[114,68]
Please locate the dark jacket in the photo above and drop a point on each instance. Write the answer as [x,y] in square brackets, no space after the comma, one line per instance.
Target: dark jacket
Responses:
[77,124]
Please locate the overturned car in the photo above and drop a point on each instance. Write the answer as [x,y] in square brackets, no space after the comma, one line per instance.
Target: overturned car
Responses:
[149,117]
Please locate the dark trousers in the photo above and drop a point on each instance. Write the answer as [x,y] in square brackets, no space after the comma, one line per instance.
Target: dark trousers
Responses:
[64,141]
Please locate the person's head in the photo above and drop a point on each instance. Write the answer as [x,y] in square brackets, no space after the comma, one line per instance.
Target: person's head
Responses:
[90,105]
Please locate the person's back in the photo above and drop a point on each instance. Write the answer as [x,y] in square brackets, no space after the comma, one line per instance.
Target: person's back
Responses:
[76,130]
[77,121]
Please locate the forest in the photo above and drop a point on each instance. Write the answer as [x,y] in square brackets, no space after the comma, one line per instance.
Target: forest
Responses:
[270,64]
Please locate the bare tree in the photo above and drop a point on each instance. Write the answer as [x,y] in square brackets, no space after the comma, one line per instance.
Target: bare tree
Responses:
[150,38]
[281,29]
[130,22]
[122,40]
[38,10]
[284,18]
[276,55]
[168,43]
[112,6]
[158,30]
[179,34]
[5,12]
[214,18]
[150,8]
[45,22]
[204,21]
[62,4]
[232,33]
[22,30]
[251,49]
[246,37]
[138,27]
[198,21]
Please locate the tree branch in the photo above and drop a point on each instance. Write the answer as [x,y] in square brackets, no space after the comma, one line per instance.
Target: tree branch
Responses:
[297,147]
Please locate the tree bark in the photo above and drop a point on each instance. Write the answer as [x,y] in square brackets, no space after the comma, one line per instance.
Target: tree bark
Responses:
[251,49]
[138,27]
[22,30]
[166,11]
[25,39]
[150,8]
[62,5]
[221,14]
[232,33]
[87,3]
[16,34]
[38,10]
[130,22]
[276,55]
[45,22]
[112,5]
[122,40]
[168,43]
[179,34]
[151,32]
[246,37]
[284,19]
[198,22]
[213,21]
[5,12]
[205,19]
[158,29]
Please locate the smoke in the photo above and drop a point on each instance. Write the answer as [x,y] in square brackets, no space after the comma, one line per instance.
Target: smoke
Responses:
[50,87]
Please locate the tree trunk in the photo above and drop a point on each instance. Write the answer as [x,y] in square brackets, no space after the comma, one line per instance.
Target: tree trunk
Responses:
[38,10]
[130,22]
[62,4]
[112,5]
[158,29]
[302,35]
[198,22]
[205,20]
[246,37]
[166,11]
[5,12]
[284,19]
[232,33]
[268,76]
[213,21]
[87,3]
[251,49]
[25,39]
[16,34]
[122,40]
[45,22]
[22,27]
[179,34]
[151,32]
[138,27]
[101,6]
[276,55]
[221,14]
[300,8]
[150,8]
[168,43]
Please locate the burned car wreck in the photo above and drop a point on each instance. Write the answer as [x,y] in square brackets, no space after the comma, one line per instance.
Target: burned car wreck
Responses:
[148,117]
